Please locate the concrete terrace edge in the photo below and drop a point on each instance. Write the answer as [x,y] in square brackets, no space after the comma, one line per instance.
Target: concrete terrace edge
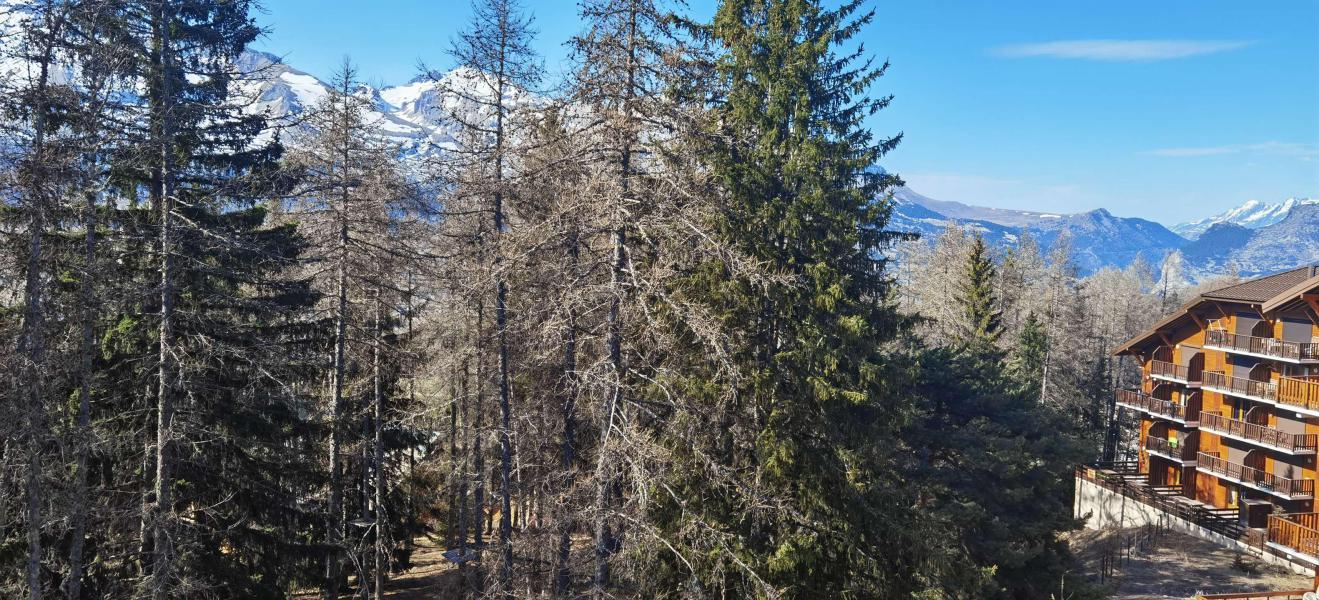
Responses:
[1104,509]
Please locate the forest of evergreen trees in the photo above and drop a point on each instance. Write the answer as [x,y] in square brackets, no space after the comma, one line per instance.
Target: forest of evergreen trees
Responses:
[641,333]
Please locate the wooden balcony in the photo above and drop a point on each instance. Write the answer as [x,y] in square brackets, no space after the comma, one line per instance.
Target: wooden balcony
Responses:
[1262,347]
[1188,415]
[1255,478]
[1162,369]
[1292,393]
[1302,393]
[1260,391]
[1295,534]
[1182,451]
[1260,435]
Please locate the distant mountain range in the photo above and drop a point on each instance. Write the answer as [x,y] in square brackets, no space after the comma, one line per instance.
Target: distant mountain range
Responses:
[1290,241]
[413,116]
[1098,238]
[1251,215]
[1256,237]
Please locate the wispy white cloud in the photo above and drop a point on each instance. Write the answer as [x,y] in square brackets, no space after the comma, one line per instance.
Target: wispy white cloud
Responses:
[1304,151]
[1119,50]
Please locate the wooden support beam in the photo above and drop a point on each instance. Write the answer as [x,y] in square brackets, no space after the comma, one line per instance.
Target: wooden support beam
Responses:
[1312,301]
[1166,341]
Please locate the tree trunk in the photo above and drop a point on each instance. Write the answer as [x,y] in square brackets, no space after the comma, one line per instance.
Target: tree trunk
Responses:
[563,569]
[335,508]
[148,492]
[604,543]
[478,510]
[478,457]
[334,524]
[378,458]
[73,584]
[464,474]
[163,518]
[501,326]
[32,343]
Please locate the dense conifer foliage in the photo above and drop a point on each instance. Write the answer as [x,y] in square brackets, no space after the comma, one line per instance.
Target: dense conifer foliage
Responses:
[634,334]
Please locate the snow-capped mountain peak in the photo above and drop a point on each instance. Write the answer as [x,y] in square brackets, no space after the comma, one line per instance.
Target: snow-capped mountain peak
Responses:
[417,116]
[1253,214]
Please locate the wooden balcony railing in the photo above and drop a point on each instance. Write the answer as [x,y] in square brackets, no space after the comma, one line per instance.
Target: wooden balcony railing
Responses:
[1159,408]
[1179,449]
[1299,532]
[1265,391]
[1263,435]
[1116,477]
[1298,392]
[1303,393]
[1262,346]
[1288,488]
[1174,371]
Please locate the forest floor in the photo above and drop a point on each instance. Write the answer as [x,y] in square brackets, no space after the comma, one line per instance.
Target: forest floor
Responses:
[430,577]
[1174,566]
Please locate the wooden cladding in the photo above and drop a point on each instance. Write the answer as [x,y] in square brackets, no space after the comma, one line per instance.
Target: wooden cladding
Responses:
[1299,532]
[1295,443]
[1159,408]
[1262,346]
[1290,488]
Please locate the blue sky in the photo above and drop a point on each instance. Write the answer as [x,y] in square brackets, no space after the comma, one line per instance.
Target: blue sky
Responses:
[1168,110]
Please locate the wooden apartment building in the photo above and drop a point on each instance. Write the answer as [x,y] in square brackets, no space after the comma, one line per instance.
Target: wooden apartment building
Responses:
[1228,406]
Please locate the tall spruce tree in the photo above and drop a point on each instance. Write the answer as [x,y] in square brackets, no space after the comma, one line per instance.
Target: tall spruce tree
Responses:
[219,306]
[977,295]
[789,490]
[994,461]
[1027,362]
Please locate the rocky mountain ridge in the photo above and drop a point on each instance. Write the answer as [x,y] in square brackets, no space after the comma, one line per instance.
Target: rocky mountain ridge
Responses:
[1254,239]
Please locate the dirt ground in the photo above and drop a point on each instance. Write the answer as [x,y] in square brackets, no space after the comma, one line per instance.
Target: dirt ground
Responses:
[1175,566]
[431,577]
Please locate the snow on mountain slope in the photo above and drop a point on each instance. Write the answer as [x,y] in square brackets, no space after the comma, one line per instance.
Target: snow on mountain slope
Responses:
[1251,215]
[1002,216]
[912,213]
[416,116]
[1097,238]
[277,88]
[1292,241]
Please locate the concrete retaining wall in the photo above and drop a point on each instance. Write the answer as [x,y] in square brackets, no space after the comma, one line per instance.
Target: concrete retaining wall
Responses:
[1103,509]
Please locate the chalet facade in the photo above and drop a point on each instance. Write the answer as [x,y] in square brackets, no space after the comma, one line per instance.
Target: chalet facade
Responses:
[1228,405]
